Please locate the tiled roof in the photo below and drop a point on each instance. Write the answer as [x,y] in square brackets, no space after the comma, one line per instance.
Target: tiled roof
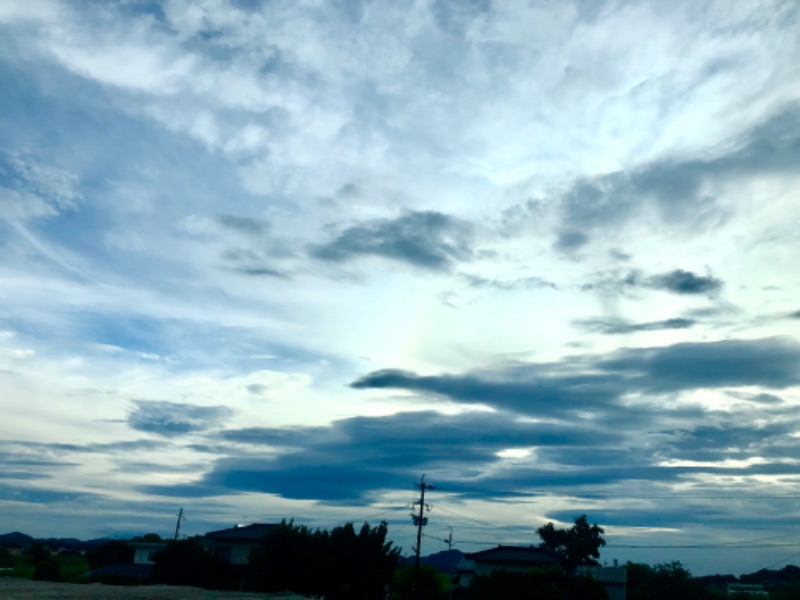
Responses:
[515,554]
[254,532]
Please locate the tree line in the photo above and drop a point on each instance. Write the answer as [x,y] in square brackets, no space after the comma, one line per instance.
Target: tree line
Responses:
[361,564]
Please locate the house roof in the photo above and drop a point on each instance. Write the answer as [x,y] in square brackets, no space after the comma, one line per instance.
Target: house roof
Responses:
[253,532]
[515,554]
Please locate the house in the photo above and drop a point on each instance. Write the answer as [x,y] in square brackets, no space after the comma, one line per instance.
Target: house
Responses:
[747,589]
[234,545]
[520,559]
[613,579]
[144,552]
[515,559]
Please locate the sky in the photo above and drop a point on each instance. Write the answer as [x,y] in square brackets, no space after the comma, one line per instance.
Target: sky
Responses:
[282,258]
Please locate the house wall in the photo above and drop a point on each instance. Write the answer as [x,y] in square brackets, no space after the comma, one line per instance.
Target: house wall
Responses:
[143,553]
[613,579]
[486,567]
[235,553]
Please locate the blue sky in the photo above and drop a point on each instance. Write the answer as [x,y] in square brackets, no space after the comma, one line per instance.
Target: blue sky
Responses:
[267,259]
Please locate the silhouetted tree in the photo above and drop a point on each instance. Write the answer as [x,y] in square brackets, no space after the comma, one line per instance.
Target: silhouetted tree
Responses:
[109,553]
[545,583]
[45,566]
[186,562]
[147,537]
[291,558]
[340,564]
[663,582]
[578,545]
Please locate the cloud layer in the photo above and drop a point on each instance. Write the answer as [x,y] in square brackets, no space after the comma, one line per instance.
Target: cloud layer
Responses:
[279,259]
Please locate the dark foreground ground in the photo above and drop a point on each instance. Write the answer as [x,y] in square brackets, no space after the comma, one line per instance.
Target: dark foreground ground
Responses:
[25,589]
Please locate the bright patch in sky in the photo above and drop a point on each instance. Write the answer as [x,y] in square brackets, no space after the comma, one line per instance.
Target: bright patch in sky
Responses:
[279,259]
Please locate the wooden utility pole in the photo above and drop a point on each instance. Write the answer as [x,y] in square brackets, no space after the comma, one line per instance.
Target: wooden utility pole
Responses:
[178,524]
[420,519]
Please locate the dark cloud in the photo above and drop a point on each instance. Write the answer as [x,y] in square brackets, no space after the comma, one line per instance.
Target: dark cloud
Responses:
[620,326]
[531,390]
[795,315]
[685,282]
[772,363]
[677,188]
[596,383]
[617,254]
[353,458]
[30,495]
[244,225]
[676,282]
[429,240]
[715,443]
[757,398]
[259,272]
[253,263]
[171,418]
[571,240]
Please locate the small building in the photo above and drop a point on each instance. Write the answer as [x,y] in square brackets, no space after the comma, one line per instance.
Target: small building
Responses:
[234,545]
[613,579]
[520,559]
[747,589]
[144,553]
[515,559]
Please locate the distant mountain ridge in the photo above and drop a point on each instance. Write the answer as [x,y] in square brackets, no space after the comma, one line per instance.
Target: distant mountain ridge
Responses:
[445,561]
[15,537]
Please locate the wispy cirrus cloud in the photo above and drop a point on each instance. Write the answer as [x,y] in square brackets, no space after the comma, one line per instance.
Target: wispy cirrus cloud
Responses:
[621,326]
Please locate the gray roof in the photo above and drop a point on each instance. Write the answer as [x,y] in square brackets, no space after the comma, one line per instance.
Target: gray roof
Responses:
[515,554]
[253,532]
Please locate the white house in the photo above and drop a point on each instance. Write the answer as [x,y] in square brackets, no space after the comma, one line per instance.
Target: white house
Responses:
[144,552]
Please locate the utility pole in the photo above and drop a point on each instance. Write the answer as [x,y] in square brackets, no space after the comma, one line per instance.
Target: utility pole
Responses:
[420,520]
[178,524]
[449,540]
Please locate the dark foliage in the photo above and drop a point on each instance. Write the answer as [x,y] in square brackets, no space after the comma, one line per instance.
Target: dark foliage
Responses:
[46,566]
[429,585]
[786,574]
[109,553]
[338,564]
[542,584]
[147,537]
[664,582]
[186,562]
[578,545]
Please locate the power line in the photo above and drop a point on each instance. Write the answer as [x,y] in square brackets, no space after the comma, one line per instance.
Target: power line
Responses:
[483,523]
[788,558]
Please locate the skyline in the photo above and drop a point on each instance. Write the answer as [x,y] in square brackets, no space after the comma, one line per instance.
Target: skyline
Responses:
[279,259]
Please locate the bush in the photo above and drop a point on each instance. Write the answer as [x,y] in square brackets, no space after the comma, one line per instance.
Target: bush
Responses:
[186,562]
[430,584]
[109,553]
